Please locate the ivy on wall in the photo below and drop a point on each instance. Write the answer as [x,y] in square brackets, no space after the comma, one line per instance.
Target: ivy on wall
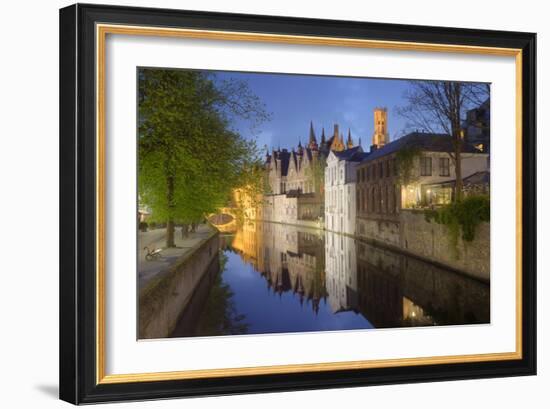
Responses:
[462,217]
[405,164]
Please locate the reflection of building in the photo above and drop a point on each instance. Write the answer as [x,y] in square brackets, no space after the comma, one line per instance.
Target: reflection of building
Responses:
[389,289]
[380,294]
[341,272]
[340,178]
[394,290]
[296,180]
[289,259]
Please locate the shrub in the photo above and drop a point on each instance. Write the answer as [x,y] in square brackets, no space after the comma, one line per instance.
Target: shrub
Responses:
[464,216]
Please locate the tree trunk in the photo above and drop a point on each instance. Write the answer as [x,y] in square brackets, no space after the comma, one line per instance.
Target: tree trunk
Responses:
[458,170]
[170,229]
[170,226]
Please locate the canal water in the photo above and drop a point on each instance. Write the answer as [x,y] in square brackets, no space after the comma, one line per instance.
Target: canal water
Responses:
[275,278]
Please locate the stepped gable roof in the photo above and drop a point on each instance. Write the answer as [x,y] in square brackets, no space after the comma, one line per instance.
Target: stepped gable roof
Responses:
[428,142]
[354,154]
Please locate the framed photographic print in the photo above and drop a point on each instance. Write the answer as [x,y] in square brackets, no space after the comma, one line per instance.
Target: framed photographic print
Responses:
[257,203]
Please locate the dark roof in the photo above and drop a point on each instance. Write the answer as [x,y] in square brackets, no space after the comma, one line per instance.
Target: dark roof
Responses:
[429,142]
[284,156]
[354,154]
[478,178]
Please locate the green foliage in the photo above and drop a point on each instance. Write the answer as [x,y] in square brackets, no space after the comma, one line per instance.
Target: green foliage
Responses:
[405,164]
[462,216]
[317,173]
[250,191]
[189,158]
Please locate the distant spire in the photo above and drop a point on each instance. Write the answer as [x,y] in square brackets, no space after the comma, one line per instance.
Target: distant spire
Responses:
[323,138]
[350,141]
[312,139]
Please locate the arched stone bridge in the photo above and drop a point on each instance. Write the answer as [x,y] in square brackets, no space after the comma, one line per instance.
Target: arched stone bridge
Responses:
[224,220]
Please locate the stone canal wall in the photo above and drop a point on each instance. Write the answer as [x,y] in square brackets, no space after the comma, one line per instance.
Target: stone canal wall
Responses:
[430,241]
[433,242]
[169,293]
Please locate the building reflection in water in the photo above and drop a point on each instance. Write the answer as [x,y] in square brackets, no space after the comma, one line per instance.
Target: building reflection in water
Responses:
[289,259]
[335,276]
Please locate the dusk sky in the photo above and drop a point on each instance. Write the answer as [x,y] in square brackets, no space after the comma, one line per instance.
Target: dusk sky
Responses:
[295,100]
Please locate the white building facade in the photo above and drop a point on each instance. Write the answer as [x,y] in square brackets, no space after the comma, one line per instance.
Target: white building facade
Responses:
[340,189]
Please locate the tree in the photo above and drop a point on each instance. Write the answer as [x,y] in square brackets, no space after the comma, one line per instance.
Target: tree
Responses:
[316,172]
[189,158]
[248,196]
[441,106]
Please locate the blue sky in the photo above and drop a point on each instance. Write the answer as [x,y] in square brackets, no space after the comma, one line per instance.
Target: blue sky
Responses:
[295,100]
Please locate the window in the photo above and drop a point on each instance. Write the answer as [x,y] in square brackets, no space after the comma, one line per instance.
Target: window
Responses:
[394,163]
[444,167]
[425,166]
[387,168]
[380,170]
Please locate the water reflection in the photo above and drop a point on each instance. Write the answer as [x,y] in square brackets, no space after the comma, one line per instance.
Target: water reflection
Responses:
[279,278]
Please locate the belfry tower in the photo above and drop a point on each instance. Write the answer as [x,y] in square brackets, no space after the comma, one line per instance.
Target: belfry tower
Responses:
[380,135]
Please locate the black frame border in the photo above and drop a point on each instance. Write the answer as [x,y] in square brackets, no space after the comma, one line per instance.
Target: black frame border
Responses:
[78,197]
